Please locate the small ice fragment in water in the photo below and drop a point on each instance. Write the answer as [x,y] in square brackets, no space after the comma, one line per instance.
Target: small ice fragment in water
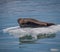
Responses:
[54,50]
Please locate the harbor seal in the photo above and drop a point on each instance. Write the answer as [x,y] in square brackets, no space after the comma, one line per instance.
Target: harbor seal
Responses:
[29,22]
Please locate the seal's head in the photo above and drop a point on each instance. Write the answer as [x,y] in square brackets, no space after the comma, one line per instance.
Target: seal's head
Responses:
[20,20]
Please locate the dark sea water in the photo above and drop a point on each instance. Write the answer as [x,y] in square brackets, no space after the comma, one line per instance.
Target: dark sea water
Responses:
[44,10]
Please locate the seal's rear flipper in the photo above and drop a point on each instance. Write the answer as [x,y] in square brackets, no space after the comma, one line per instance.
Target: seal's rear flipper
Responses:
[50,24]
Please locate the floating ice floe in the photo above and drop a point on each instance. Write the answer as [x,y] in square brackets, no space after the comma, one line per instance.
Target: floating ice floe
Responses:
[20,32]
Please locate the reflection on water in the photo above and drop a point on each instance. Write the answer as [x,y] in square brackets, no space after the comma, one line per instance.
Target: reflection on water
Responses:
[30,39]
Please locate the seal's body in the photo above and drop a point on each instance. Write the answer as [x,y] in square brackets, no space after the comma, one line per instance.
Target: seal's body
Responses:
[28,22]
